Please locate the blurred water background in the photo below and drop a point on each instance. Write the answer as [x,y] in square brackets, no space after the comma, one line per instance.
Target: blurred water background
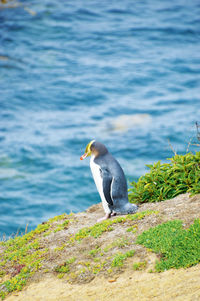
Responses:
[126,73]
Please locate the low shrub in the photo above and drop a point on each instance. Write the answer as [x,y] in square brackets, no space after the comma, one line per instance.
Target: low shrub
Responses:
[165,181]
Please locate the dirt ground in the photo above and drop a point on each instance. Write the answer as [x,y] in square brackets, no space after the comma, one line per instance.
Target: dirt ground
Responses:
[183,285]
[126,285]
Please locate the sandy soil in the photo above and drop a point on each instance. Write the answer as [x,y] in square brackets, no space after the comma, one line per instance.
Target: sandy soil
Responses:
[183,285]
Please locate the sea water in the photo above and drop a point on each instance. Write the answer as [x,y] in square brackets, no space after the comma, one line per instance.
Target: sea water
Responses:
[126,73]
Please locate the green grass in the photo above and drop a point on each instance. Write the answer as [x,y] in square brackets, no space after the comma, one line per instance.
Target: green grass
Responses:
[165,181]
[177,247]
[62,226]
[94,252]
[98,229]
[24,255]
[138,266]
[65,267]
[132,229]
[119,258]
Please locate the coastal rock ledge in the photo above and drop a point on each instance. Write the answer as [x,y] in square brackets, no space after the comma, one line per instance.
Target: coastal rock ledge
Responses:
[72,257]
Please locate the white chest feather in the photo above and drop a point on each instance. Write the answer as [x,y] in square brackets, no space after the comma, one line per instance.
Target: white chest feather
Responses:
[95,168]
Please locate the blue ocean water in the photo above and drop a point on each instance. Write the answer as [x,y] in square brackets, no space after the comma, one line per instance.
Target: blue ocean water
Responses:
[124,73]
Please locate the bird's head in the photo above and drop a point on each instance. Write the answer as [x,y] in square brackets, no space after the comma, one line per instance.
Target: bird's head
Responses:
[88,150]
[94,148]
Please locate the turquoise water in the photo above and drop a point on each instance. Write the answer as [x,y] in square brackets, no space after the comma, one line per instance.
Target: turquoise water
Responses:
[124,73]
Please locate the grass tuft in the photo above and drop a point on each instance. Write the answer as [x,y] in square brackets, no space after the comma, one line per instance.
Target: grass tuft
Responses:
[119,258]
[138,266]
[98,229]
[65,267]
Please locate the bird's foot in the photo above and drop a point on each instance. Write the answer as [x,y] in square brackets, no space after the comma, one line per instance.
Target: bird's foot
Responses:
[107,216]
[113,214]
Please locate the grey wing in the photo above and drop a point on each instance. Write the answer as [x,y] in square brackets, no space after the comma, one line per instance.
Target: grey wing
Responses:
[119,189]
[107,180]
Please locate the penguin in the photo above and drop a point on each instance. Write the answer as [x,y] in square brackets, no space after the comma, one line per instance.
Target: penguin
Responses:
[109,179]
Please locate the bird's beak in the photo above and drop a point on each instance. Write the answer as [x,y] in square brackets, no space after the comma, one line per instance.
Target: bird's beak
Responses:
[83,156]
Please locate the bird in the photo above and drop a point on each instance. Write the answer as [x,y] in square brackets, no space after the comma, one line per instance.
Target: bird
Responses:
[109,179]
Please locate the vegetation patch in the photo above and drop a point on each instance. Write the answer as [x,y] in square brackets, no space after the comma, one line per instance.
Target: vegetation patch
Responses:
[119,258]
[62,226]
[22,256]
[165,181]
[65,267]
[141,215]
[99,228]
[57,218]
[138,266]
[119,243]
[94,252]
[132,229]
[176,246]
